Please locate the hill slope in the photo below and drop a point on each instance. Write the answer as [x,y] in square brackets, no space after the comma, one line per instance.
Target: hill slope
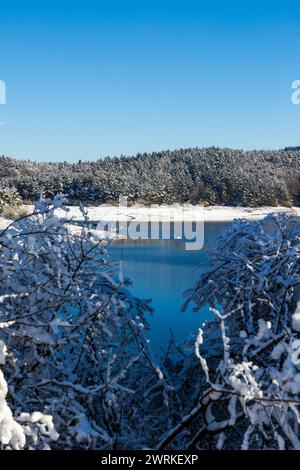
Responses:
[212,175]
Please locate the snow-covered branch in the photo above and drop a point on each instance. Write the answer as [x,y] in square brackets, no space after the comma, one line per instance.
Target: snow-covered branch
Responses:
[72,341]
[254,281]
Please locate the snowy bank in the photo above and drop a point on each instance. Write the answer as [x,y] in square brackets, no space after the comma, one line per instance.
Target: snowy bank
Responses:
[174,212]
[164,213]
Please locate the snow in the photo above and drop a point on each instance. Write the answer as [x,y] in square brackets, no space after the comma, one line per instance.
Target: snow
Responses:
[295,356]
[3,352]
[11,433]
[159,213]
[4,223]
[175,212]
[296,319]
[199,341]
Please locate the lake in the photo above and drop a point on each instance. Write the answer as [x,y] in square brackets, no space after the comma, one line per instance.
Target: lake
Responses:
[162,270]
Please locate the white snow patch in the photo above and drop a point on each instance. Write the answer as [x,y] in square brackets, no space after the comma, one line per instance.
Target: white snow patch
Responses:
[296,318]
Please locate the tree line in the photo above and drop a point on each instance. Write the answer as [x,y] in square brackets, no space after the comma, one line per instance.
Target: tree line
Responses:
[197,175]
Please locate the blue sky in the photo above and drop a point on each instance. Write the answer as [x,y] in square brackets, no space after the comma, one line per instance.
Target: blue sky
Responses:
[86,79]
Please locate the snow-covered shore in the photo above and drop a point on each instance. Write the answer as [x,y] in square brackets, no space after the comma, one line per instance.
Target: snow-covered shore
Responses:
[164,213]
[174,213]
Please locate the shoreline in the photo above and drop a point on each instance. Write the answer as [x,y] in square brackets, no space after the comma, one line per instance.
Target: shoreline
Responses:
[174,213]
[164,213]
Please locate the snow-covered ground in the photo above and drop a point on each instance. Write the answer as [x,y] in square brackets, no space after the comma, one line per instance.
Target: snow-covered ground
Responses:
[4,223]
[174,213]
[165,213]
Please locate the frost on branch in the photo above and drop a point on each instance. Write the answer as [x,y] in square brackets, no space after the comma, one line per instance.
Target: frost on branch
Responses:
[79,370]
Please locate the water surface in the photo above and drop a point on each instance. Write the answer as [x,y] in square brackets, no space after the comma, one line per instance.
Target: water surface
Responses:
[162,270]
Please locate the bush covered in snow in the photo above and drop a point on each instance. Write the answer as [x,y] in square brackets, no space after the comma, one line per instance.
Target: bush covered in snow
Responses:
[74,359]
[9,198]
[252,398]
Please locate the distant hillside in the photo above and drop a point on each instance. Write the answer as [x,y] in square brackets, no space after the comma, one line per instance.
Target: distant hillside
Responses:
[208,175]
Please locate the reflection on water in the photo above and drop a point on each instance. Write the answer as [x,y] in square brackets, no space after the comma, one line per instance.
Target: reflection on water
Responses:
[162,270]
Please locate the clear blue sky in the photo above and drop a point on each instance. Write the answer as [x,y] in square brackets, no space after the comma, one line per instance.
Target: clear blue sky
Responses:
[90,78]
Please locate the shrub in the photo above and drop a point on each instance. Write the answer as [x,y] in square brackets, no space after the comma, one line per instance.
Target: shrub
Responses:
[72,344]
[8,198]
[253,289]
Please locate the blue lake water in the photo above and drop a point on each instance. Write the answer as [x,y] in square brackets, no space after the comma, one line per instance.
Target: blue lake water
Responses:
[162,270]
